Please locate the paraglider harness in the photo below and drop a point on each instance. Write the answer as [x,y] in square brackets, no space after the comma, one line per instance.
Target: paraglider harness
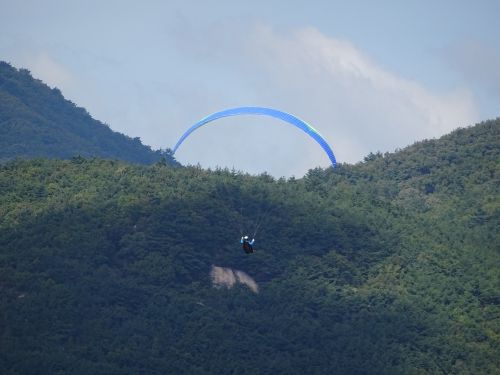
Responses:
[245,241]
[247,245]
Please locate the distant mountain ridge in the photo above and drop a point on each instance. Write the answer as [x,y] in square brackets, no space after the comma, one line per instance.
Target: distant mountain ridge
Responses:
[37,121]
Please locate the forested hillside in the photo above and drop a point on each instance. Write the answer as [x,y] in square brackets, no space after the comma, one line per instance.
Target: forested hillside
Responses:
[390,266]
[36,121]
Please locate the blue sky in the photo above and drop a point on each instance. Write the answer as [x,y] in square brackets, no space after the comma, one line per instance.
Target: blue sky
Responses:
[370,76]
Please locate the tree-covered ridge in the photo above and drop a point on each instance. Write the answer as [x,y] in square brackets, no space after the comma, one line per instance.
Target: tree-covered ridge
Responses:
[385,267]
[36,121]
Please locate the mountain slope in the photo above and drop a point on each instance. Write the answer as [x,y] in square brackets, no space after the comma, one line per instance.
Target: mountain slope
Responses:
[385,267]
[36,121]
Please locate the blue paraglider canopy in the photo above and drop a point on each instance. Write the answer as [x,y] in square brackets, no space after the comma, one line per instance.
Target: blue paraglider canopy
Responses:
[302,125]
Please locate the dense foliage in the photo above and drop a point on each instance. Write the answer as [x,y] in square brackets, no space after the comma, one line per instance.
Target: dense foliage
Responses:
[385,267]
[36,121]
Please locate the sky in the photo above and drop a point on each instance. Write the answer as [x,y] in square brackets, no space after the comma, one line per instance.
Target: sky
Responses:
[370,76]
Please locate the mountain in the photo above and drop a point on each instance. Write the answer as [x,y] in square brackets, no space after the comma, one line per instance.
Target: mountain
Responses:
[36,121]
[389,266]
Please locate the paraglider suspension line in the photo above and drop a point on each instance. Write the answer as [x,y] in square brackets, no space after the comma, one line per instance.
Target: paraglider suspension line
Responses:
[260,221]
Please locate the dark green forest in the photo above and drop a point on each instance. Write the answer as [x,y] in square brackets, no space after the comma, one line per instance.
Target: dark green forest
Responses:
[389,266]
[36,121]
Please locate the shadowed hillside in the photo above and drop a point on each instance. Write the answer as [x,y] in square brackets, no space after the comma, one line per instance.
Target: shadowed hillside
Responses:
[36,121]
[389,266]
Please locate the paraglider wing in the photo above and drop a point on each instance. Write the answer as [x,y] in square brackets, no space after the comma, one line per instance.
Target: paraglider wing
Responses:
[265,112]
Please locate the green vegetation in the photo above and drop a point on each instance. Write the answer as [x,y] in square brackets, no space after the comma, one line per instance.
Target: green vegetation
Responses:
[36,121]
[390,266]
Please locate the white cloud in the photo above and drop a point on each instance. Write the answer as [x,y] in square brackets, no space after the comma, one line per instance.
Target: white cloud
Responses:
[356,104]
[44,67]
